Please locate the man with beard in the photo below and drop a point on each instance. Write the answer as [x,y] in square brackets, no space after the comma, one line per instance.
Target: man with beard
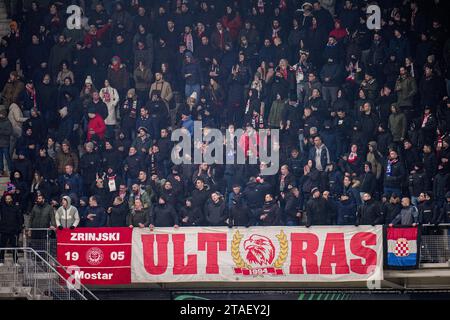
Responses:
[11,223]
[42,216]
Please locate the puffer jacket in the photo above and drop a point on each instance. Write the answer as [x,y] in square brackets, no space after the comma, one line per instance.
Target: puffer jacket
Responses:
[215,213]
[67,217]
[406,89]
[42,216]
[139,216]
[164,215]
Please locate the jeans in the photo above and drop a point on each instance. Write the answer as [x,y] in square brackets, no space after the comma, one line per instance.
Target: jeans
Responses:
[191,88]
[4,151]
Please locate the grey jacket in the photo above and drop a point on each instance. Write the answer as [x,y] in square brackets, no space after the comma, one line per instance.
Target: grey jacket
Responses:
[407,216]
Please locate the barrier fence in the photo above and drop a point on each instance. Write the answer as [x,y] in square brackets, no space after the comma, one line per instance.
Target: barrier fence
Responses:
[435,242]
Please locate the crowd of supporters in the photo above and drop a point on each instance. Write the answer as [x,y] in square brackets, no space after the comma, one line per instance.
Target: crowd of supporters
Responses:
[363,115]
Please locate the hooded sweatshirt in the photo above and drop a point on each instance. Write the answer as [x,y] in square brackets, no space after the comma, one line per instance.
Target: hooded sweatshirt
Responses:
[67,217]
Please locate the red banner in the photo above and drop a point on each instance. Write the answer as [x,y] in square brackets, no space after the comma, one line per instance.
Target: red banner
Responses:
[96,256]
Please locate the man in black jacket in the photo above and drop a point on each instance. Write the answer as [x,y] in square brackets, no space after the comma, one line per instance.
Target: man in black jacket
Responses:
[292,208]
[270,213]
[239,212]
[316,210]
[163,215]
[11,223]
[369,213]
[118,213]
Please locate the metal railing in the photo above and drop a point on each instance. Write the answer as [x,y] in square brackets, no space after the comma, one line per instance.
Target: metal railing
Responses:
[41,278]
[435,243]
[40,239]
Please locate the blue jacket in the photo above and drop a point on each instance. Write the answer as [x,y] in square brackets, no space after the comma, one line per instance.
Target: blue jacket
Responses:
[188,124]
[99,219]
[74,182]
[196,75]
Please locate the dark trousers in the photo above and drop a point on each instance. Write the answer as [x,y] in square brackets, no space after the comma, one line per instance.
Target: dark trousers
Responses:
[8,240]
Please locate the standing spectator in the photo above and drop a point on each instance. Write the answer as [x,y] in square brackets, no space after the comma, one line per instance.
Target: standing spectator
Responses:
[95,215]
[397,124]
[139,216]
[11,224]
[408,216]
[110,97]
[316,210]
[369,213]
[67,215]
[163,215]
[394,175]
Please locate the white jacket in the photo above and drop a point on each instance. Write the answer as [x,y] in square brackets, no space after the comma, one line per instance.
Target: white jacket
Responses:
[111,104]
[67,217]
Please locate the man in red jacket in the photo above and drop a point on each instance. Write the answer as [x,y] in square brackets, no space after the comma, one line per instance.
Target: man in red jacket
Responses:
[96,125]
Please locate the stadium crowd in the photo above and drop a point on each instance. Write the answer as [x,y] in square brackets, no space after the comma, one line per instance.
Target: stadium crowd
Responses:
[364,115]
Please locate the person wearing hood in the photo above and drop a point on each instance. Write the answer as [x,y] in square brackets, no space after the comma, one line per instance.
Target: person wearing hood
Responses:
[11,224]
[118,76]
[369,213]
[384,139]
[416,182]
[190,216]
[317,210]
[409,215]
[96,125]
[368,180]
[163,215]
[67,215]
[239,213]
[215,210]
[331,75]
[23,164]
[398,124]
[270,214]
[96,216]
